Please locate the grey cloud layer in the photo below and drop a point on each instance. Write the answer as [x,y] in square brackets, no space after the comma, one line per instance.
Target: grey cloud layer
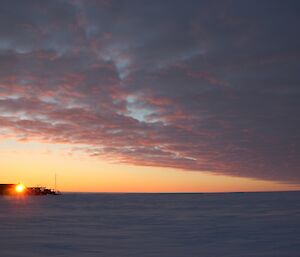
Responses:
[198,85]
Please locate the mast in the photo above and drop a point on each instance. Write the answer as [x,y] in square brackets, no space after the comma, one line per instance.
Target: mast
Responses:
[55,182]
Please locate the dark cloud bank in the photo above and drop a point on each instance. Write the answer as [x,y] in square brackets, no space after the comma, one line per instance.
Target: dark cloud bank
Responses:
[196,85]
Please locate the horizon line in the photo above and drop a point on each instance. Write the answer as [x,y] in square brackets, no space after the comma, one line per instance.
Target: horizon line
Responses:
[224,192]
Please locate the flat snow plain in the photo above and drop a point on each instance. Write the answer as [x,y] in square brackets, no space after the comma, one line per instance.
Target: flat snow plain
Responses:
[151,225]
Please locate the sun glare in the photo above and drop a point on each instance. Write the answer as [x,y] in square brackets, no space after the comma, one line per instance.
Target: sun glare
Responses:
[20,188]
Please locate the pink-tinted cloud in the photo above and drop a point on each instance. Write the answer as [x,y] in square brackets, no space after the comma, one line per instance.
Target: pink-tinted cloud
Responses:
[205,87]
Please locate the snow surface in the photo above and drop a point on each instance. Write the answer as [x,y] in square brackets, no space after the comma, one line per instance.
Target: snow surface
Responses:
[148,225]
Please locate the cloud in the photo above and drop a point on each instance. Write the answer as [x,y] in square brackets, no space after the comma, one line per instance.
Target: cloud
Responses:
[207,86]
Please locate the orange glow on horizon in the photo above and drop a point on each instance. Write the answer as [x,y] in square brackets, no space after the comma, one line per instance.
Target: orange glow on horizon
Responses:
[37,164]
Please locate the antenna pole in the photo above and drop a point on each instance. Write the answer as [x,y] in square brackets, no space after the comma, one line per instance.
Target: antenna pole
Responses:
[55,182]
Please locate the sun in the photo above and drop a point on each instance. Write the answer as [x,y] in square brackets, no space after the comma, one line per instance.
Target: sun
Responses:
[20,188]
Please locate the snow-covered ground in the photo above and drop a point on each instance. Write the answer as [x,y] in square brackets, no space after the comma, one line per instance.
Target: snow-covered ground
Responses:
[148,225]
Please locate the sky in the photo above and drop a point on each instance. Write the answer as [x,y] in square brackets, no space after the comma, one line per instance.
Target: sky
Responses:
[150,96]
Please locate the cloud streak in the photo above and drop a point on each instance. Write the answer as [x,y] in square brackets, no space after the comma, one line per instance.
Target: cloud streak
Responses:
[207,86]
